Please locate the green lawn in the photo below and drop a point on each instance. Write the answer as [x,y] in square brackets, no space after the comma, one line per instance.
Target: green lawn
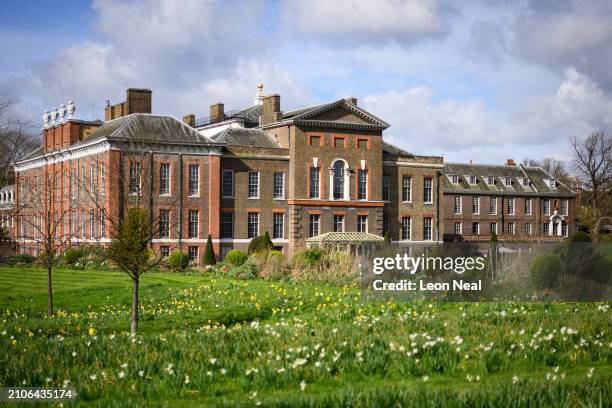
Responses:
[208,340]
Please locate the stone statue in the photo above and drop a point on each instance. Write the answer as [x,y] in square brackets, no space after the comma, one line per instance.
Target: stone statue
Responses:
[70,109]
[61,112]
[46,117]
[53,116]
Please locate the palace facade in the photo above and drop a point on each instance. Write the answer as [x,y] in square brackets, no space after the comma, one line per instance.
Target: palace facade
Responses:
[235,175]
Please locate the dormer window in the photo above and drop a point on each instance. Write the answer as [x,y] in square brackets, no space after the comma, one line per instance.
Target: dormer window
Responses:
[552,183]
[507,181]
[490,180]
[455,179]
[472,179]
[526,182]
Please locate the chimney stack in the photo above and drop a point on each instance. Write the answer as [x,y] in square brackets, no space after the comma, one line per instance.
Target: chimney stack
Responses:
[189,119]
[137,100]
[217,113]
[510,162]
[271,110]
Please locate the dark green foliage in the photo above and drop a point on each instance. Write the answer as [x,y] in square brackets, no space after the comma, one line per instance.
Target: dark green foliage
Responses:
[246,271]
[387,238]
[308,257]
[21,259]
[129,246]
[209,253]
[260,244]
[72,256]
[4,234]
[580,236]
[178,260]
[235,257]
[493,237]
[545,270]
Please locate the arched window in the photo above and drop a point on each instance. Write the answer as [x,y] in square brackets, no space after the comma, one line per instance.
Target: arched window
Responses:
[338,170]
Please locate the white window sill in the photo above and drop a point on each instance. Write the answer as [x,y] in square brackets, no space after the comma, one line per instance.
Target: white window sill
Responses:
[165,195]
[279,198]
[228,197]
[408,202]
[428,202]
[194,196]
[252,198]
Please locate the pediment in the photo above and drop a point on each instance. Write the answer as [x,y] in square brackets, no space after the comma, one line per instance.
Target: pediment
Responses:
[341,112]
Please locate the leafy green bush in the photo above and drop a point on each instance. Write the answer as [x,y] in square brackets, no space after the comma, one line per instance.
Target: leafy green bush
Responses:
[235,257]
[178,260]
[274,265]
[246,271]
[545,269]
[260,244]
[74,255]
[308,257]
[209,253]
[21,259]
[580,236]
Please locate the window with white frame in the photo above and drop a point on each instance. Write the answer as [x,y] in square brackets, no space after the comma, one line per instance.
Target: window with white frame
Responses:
[102,223]
[507,181]
[546,206]
[552,183]
[315,187]
[338,223]
[164,223]
[511,206]
[472,179]
[526,182]
[135,170]
[362,223]
[511,228]
[475,228]
[253,224]
[475,205]
[457,228]
[193,224]
[92,179]
[406,228]
[493,205]
[490,180]
[454,179]
[427,228]
[493,228]
[546,228]
[278,230]
[528,206]
[164,251]
[253,184]
[227,184]
[194,180]
[428,190]
[192,253]
[564,206]
[528,228]
[164,179]
[102,179]
[314,225]
[338,180]
[92,223]
[279,185]
[407,189]
[362,184]
[564,230]
[457,208]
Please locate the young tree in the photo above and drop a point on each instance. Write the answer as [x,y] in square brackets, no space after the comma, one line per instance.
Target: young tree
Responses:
[209,252]
[593,162]
[129,248]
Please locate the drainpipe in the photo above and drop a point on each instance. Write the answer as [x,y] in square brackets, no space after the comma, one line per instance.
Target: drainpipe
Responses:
[438,206]
[180,211]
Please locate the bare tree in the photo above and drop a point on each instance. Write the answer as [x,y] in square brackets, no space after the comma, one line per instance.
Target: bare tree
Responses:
[552,166]
[16,139]
[593,162]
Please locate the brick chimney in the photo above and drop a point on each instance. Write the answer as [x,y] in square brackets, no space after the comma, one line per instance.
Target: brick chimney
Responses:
[271,110]
[510,162]
[137,100]
[189,119]
[217,112]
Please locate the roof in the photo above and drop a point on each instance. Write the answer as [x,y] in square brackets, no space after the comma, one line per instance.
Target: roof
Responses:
[392,150]
[149,128]
[245,137]
[538,180]
[343,237]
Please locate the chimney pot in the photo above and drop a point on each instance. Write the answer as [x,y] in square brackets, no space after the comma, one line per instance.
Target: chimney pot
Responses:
[510,162]
[189,119]
[217,112]
[352,100]
[271,111]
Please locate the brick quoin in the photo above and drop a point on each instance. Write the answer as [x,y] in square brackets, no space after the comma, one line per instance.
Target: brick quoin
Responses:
[214,198]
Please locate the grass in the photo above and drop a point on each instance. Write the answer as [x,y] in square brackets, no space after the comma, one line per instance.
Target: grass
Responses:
[208,340]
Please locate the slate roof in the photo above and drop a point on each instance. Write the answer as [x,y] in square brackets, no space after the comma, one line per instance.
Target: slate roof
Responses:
[245,137]
[538,180]
[391,150]
[340,237]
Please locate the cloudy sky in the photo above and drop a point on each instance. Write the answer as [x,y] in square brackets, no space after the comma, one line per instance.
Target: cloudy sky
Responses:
[486,81]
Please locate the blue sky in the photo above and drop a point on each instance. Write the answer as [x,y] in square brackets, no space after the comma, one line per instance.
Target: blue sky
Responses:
[485,81]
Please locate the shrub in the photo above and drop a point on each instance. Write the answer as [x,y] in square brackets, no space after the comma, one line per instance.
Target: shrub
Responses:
[308,257]
[245,271]
[580,236]
[178,260]
[235,257]
[274,266]
[545,270]
[260,244]
[387,238]
[21,259]
[209,253]
[72,256]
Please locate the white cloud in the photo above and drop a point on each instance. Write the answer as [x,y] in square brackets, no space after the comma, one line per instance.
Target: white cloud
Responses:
[466,130]
[369,20]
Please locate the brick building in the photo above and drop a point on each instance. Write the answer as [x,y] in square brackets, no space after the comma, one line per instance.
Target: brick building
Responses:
[233,175]
[514,201]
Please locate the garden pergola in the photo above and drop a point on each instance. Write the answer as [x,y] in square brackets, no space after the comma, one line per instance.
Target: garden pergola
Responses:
[358,243]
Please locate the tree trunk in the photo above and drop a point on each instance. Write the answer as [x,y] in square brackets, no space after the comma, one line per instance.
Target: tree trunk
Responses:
[49,287]
[134,322]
